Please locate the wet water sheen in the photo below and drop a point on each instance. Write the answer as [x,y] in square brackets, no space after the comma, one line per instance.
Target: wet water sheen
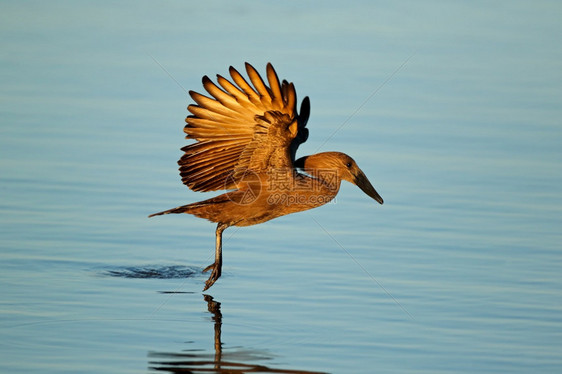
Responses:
[452,111]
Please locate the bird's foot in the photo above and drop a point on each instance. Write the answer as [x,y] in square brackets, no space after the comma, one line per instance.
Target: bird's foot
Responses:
[215,274]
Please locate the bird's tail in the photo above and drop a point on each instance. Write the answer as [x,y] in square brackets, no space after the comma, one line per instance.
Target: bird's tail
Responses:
[207,209]
[179,209]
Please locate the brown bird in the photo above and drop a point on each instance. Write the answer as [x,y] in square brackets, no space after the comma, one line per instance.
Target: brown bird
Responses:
[247,135]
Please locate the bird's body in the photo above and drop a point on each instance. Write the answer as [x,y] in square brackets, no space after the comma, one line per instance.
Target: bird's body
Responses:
[247,139]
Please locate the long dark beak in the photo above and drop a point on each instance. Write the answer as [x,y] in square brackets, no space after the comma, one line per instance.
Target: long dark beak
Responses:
[363,183]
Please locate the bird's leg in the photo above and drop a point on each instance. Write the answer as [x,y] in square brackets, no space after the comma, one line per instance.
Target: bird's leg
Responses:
[217,265]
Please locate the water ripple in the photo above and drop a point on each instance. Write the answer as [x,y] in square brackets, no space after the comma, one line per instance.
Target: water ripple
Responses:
[154,272]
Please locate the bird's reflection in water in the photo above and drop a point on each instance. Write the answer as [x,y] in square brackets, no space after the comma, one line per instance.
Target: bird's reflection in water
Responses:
[231,362]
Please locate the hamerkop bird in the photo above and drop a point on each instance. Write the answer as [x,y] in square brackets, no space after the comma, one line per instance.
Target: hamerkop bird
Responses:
[247,135]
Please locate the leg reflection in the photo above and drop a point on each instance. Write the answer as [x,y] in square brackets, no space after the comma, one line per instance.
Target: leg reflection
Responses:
[214,308]
[231,361]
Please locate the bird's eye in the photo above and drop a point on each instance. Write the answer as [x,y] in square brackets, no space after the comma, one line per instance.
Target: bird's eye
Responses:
[348,164]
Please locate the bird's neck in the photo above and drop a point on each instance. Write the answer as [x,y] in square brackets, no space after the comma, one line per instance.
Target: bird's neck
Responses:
[329,179]
[323,183]
[320,167]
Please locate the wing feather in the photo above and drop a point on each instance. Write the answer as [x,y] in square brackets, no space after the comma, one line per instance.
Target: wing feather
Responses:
[223,119]
[241,82]
[213,105]
[258,83]
[290,94]
[277,101]
[227,99]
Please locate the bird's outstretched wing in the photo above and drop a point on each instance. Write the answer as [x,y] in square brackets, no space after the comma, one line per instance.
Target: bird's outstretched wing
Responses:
[241,127]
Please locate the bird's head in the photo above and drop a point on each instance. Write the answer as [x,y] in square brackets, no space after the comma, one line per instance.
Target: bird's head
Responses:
[329,165]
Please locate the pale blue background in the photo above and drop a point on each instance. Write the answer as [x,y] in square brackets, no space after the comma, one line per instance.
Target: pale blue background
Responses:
[453,110]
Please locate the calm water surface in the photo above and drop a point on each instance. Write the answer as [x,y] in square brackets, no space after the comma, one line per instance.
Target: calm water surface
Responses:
[452,110]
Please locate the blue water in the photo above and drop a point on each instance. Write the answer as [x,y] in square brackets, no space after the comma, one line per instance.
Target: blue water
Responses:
[451,109]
